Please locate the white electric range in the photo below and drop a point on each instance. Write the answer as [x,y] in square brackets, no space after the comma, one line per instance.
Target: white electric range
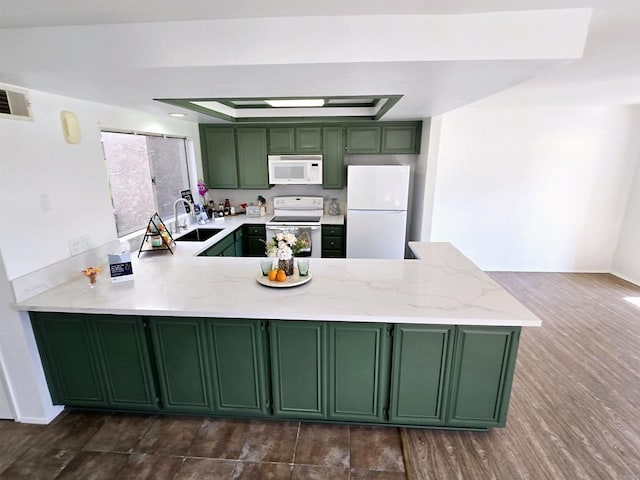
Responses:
[301,216]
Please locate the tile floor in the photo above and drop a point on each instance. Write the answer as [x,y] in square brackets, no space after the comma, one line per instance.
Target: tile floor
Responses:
[93,446]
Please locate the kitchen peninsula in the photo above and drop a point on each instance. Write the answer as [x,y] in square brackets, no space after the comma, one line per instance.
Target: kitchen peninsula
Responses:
[426,342]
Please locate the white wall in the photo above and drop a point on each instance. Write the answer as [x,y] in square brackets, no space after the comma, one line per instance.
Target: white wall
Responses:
[535,189]
[36,161]
[38,169]
[626,261]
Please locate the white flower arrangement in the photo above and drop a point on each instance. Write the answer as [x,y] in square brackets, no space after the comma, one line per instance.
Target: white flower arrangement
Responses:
[284,246]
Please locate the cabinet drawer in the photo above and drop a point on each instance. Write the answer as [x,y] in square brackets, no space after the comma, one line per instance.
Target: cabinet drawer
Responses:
[333,230]
[332,243]
[256,230]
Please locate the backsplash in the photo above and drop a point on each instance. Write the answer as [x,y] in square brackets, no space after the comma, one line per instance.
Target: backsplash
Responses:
[60,272]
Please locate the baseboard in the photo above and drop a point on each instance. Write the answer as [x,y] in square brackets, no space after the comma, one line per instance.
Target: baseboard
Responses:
[53,413]
[635,281]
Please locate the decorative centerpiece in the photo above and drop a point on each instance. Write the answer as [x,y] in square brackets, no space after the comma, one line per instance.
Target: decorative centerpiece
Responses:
[284,246]
[92,273]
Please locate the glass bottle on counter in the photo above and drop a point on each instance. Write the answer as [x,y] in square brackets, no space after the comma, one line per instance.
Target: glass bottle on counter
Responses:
[227,207]
[334,207]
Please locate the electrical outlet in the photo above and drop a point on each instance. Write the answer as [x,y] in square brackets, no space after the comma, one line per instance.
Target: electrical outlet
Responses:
[79,244]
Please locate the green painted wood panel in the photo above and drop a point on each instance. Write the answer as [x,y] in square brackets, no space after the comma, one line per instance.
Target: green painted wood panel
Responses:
[282,140]
[363,139]
[420,375]
[180,353]
[219,157]
[125,357]
[70,366]
[298,370]
[308,140]
[358,371]
[237,355]
[254,238]
[252,158]
[333,168]
[484,362]
[238,236]
[400,138]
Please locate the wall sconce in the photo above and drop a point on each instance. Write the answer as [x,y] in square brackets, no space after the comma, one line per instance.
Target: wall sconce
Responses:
[70,127]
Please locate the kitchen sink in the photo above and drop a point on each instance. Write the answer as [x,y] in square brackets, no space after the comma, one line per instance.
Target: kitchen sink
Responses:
[199,235]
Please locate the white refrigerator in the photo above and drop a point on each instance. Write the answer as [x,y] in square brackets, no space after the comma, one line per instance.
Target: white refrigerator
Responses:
[377,198]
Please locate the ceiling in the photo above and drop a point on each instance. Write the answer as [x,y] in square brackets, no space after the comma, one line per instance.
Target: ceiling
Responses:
[438,54]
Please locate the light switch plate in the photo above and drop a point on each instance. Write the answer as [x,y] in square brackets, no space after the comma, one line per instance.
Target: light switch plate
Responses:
[79,244]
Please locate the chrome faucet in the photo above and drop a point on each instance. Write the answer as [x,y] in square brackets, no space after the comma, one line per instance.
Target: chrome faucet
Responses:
[176,227]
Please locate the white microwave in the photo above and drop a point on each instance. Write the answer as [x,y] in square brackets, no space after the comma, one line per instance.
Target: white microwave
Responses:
[295,169]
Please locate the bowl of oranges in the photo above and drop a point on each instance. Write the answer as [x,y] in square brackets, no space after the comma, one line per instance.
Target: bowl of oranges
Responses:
[277,278]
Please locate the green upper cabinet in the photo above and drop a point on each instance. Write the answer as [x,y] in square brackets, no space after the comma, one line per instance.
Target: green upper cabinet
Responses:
[180,351]
[333,169]
[391,137]
[308,140]
[358,371]
[420,376]
[96,360]
[298,369]
[252,158]
[239,366]
[282,140]
[404,138]
[219,156]
[483,366]
[363,139]
[295,140]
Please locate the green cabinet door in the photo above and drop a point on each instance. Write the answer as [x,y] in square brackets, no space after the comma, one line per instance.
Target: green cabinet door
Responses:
[308,140]
[238,238]
[298,370]
[363,139]
[254,238]
[122,347]
[68,359]
[333,169]
[219,157]
[482,372]
[238,364]
[252,158]
[401,138]
[282,140]
[420,375]
[333,241]
[358,371]
[180,353]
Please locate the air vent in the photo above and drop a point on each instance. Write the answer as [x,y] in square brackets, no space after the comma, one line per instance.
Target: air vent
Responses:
[14,104]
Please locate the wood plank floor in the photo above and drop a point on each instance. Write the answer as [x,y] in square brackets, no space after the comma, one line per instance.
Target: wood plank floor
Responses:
[575,405]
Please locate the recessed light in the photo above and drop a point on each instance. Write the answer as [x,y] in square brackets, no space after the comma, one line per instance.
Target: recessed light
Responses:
[178,114]
[299,102]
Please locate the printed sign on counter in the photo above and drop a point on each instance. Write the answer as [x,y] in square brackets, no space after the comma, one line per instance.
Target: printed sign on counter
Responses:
[120,267]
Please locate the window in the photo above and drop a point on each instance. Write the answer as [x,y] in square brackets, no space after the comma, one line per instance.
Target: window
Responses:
[146,174]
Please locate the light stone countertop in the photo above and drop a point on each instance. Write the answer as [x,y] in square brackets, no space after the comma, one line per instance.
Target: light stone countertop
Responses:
[442,287]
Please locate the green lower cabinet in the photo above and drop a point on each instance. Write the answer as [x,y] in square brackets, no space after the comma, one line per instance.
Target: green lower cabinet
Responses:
[420,375]
[237,356]
[358,371]
[123,349]
[68,359]
[298,369]
[180,353]
[483,365]
[97,361]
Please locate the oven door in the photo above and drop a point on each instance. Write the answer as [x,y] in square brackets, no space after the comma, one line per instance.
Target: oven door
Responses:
[311,234]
